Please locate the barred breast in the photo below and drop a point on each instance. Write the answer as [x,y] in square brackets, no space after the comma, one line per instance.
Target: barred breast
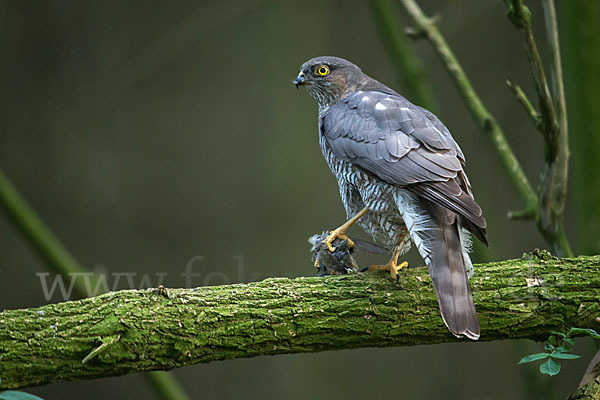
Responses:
[359,189]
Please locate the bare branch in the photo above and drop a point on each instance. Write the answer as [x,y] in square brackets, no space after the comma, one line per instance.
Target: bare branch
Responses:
[553,190]
[481,115]
[535,117]
[547,208]
[520,16]
[558,88]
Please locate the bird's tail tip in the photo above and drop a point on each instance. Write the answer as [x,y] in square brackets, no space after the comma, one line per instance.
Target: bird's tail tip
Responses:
[472,335]
[471,331]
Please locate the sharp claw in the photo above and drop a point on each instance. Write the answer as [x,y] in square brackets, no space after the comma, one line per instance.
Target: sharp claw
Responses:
[391,267]
[337,235]
[330,247]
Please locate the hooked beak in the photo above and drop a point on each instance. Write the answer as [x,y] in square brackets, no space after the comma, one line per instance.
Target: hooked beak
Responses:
[299,81]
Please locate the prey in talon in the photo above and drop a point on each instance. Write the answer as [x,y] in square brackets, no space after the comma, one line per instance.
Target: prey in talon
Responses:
[401,178]
[340,261]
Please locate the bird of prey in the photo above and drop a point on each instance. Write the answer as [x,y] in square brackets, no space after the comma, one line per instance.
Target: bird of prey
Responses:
[401,178]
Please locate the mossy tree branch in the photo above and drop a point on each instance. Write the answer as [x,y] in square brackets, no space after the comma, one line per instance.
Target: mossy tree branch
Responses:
[58,258]
[130,331]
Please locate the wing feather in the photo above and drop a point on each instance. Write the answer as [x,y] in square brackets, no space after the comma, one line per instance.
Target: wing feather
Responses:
[404,145]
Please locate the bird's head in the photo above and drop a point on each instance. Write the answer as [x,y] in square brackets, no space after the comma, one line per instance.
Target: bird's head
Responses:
[328,79]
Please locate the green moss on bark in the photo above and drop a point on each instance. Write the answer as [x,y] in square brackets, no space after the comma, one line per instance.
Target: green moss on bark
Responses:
[523,298]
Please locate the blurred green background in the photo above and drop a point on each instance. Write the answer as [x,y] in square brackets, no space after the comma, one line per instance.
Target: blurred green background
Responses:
[151,135]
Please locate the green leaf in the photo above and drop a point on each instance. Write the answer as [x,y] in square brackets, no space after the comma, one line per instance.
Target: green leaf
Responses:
[565,356]
[550,367]
[533,357]
[584,331]
[17,395]
[564,348]
[571,341]
[549,346]
[562,335]
[552,340]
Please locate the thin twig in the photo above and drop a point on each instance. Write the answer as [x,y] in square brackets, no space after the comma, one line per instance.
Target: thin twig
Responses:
[106,343]
[556,71]
[553,190]
[481,115]
[535,117]
[520,16]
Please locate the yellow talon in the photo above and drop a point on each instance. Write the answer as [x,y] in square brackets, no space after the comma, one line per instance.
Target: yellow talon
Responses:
[392,266]
[340,233]
[398,268]
[337,234]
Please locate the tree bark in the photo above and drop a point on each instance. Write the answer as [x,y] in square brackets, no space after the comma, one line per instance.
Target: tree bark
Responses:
[158,329]
[590,391]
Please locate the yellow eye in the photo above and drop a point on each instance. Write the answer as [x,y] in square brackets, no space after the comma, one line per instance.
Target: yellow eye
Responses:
[322,70]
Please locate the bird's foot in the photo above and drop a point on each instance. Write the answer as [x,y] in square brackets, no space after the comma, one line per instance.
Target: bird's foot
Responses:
[338,233]
[391,266]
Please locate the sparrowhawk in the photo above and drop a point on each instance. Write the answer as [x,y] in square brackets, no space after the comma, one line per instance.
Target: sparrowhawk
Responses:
[401,178]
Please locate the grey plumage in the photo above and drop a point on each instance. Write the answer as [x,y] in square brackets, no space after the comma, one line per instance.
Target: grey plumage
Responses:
[401,162]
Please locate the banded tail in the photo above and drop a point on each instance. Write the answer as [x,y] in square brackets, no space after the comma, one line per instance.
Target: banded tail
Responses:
[435,232]
[448,273]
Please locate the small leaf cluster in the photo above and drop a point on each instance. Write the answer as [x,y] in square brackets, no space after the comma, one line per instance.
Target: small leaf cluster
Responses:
[558,347]
[17,395]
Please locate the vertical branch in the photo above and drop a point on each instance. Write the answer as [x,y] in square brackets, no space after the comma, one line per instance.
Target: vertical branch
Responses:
[546,208]
[58,258]
[553,190]
[520,16]
[481,115]
[559,179]
[556,70]
[410,70]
